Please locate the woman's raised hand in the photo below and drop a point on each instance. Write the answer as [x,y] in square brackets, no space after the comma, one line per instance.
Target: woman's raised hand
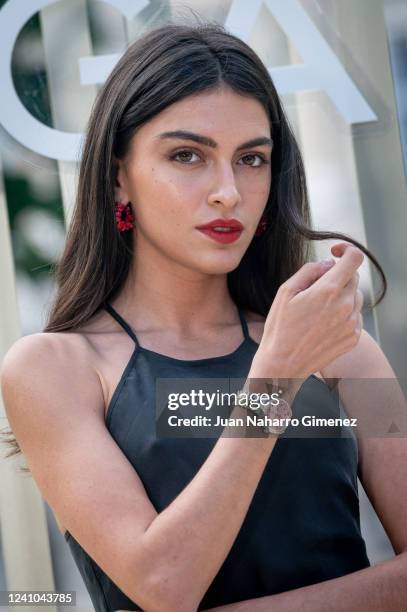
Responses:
[314,318]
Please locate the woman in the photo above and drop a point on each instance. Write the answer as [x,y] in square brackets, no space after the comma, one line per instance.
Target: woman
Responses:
[189,131]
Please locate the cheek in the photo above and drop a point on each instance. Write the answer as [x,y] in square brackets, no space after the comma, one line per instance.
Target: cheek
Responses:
[161,195]
[254,192]
[256,182]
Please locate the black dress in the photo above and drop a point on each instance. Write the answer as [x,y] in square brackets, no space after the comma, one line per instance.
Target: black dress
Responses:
[302,526]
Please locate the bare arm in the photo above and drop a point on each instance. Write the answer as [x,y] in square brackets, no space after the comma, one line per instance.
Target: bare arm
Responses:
[160,561]
[382,588]
[187,543]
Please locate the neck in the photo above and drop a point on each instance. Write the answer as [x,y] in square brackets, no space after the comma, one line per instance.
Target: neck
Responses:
[160,293]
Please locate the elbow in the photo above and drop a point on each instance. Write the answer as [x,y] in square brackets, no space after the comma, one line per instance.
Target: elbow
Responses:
[160,583]
[161,594]
[165,597]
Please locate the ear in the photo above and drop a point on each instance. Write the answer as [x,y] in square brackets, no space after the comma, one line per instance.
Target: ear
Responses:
[121,181]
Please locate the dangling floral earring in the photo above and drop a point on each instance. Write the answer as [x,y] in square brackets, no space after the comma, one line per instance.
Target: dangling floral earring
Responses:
[262,226]
[124,216]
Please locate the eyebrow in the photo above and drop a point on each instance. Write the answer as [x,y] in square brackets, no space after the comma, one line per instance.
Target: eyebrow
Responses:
[209,142]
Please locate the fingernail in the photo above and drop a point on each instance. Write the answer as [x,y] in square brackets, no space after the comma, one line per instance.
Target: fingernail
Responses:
[327,262]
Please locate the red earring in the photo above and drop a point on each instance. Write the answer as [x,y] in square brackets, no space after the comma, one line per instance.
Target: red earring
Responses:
[124,216]
[262,226]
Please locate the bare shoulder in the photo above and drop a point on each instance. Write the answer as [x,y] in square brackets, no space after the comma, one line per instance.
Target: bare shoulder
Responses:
[47,345]
[77,355]
[43,362]
[46,352]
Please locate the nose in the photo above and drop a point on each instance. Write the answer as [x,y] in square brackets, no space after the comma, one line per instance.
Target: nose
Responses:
[225,191]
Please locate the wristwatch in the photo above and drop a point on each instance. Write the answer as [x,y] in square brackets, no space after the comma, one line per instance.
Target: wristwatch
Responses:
[273,412]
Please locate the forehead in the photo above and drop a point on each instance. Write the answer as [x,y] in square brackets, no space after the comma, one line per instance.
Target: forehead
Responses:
[221,113]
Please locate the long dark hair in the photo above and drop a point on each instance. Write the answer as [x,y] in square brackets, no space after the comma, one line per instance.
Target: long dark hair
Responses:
[160,68]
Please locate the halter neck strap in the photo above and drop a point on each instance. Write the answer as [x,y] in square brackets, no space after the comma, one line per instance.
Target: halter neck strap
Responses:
[121,322]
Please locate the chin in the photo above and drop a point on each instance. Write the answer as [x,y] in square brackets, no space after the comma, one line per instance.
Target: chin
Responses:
[220,263]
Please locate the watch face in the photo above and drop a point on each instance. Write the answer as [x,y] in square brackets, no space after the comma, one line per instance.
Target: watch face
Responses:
[279,413]
[282,411]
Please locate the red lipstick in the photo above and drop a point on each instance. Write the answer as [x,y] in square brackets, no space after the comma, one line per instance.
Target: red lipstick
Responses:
[222,230]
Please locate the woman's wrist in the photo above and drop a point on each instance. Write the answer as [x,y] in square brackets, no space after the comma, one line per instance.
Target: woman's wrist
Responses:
[269,374]
[268,363]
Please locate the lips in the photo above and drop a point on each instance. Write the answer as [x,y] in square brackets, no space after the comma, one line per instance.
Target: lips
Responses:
[229,224]
[222,230]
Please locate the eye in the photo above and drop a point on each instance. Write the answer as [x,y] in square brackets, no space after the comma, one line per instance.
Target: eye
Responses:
[252,156]
[184,155]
